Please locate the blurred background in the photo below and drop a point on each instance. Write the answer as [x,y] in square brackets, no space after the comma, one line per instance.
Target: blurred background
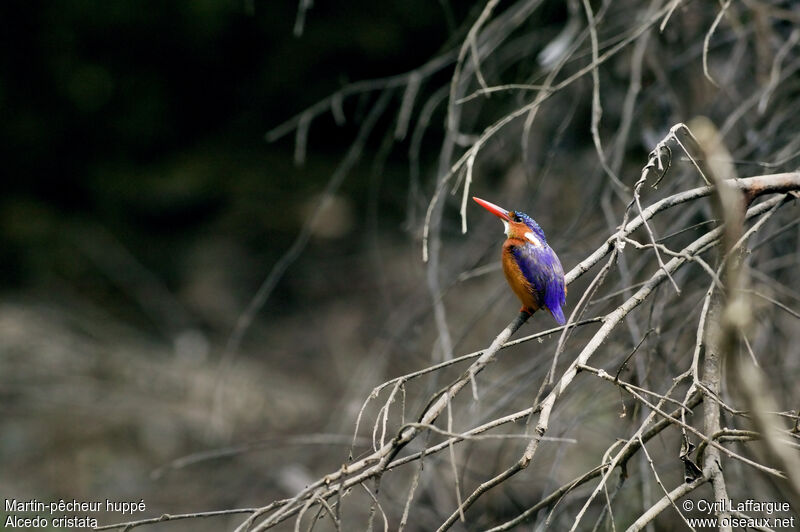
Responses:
[143,208]
[140,212]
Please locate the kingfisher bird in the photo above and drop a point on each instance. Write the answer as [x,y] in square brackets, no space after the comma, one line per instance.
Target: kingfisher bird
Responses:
[532,268]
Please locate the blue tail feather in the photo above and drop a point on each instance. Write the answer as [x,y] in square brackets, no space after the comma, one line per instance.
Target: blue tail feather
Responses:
[558,314]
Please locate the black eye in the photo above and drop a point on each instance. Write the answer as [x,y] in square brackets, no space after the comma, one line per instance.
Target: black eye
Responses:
[516,217]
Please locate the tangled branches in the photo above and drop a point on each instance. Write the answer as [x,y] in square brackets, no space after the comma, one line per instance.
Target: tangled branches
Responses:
[693,270]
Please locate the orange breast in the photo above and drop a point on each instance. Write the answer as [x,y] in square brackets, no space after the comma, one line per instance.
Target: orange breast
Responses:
[517,280]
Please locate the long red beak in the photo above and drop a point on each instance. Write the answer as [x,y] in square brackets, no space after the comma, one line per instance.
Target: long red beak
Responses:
[494,209]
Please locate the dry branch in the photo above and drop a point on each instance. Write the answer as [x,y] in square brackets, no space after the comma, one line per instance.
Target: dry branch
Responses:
[375,464]
[638,314]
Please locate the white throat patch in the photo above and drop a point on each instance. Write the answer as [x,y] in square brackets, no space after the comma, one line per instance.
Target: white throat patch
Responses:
[532,239]
[505,227]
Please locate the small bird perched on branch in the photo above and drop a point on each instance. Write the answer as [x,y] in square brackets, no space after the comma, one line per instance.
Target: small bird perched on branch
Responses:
[532,268]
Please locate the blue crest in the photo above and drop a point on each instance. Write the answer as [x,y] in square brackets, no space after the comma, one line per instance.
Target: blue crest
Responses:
[530,222]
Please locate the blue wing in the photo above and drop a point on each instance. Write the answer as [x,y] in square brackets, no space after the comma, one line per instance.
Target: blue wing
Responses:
[543,270]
